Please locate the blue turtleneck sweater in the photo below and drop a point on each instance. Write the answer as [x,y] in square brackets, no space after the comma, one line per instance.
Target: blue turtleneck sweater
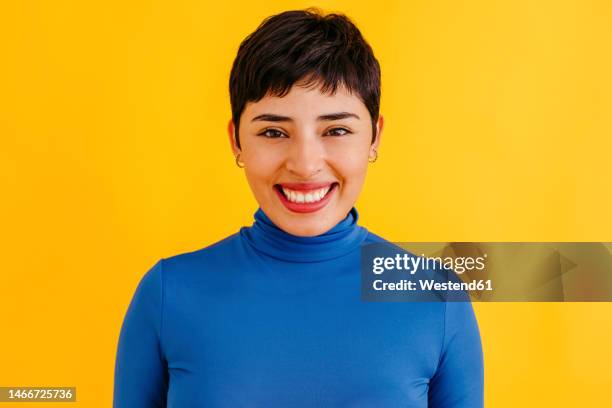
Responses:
[267,319]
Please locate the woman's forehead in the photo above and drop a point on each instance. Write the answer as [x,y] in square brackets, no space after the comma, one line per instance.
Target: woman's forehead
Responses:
[308,103]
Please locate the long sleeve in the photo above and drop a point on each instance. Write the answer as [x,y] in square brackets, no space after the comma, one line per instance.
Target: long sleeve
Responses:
[459,379]
[141,378]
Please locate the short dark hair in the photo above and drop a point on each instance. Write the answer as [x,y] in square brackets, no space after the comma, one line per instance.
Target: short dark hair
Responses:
[304,45]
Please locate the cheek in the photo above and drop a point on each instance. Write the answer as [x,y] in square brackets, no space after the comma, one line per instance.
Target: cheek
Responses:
[353,174]
[351,162]
[353,171]
[261,169]
[261,165]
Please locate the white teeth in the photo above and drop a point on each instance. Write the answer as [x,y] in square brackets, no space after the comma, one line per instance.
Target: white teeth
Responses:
[310,197]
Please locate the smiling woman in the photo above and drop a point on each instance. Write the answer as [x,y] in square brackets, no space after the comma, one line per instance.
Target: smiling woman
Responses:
[300,145]
[272,315]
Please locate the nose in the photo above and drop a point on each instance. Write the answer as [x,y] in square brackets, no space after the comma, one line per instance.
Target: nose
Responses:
[306,157]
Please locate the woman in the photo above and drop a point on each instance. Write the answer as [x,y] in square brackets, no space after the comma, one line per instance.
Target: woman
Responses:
[271,316]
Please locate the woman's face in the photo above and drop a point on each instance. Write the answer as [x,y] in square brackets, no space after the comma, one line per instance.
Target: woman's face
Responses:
[306,155]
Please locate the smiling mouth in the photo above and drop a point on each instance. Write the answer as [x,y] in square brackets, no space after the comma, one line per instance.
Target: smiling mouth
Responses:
[313,195]
[305,197]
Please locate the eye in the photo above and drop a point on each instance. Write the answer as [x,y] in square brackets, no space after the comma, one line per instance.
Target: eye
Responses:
[272,133]
[338,131]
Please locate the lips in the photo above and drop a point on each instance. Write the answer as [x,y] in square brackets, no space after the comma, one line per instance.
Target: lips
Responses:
[305,197]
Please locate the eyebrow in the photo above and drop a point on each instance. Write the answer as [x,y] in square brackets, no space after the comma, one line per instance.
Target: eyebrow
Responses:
[270,117]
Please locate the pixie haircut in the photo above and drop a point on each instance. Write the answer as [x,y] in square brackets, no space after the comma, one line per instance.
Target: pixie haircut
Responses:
[309,47]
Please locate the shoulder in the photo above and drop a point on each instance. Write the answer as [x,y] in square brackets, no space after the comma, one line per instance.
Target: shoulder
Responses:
[372,238]
[375,244]
[215,249]
[196,263]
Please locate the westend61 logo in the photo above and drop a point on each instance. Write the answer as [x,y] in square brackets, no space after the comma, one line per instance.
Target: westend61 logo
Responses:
[410,264]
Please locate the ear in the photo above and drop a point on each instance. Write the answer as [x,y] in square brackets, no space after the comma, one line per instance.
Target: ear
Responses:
[379,129]
[231,130]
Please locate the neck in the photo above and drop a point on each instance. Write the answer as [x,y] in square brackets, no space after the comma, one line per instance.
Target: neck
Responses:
[269,239]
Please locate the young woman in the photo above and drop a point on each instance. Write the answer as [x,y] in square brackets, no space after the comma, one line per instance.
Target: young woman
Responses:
[272,315]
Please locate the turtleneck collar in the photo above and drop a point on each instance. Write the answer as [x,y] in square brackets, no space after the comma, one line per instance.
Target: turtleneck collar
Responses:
[266,237]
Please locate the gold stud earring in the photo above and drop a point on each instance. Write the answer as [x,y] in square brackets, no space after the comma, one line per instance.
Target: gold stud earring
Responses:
[372,160]
[238,162]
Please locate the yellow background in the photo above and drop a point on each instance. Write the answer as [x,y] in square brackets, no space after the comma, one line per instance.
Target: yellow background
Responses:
[114,153]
